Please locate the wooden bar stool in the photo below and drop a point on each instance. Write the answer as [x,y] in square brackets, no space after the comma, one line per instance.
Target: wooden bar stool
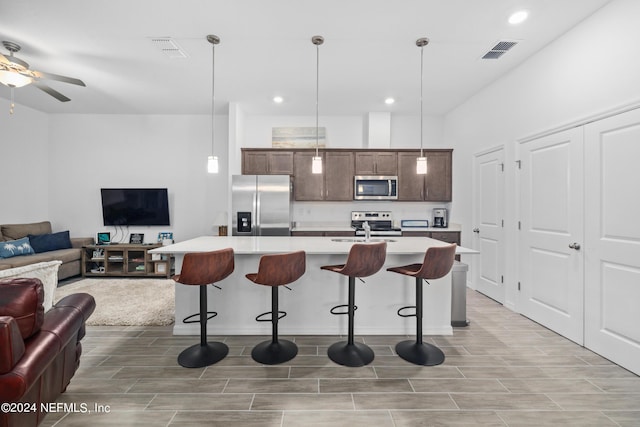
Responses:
[276,270]
[365,259]
[437,263]
[202,269]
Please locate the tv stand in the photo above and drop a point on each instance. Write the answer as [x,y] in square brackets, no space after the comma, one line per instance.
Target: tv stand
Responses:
[124,260]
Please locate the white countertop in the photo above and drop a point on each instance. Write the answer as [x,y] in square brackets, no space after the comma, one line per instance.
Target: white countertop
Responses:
[340,227]
[312,245]
[451,227]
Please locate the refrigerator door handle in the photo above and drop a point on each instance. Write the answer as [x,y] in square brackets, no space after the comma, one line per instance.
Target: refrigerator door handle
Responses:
[257,220]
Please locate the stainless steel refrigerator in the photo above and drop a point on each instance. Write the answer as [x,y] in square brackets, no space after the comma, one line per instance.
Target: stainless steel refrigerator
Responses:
[261,205]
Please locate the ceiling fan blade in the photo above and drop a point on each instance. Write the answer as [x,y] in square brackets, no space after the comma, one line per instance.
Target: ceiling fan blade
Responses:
[57,95]
[50,76]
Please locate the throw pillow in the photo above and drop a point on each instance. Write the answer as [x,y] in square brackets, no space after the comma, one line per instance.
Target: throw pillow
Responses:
[15,248]
[50,242]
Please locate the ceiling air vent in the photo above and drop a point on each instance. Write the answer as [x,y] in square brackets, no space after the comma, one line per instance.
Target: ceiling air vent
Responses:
[499,49]
[169,47]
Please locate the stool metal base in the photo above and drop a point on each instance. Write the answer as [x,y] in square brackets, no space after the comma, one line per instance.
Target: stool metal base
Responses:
[354,355]
[272,353]
[199,356]
[420,353]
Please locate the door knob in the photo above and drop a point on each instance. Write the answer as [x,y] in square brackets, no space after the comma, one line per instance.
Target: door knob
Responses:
[476,230]
[575,246]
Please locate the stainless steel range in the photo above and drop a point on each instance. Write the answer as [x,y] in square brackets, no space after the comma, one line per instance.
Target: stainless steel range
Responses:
[381,223]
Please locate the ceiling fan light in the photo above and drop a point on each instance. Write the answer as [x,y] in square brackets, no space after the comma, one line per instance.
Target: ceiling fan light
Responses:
[316,164]
[13,79]
[421,166]
[212,164]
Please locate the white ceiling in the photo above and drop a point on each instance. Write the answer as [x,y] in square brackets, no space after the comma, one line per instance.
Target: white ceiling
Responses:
[369,52]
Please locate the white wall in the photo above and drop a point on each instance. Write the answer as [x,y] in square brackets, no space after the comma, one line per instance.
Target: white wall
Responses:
[88,152]
[24,151]
[591,69]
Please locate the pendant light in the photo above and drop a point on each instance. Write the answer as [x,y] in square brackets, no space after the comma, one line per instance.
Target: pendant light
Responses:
[421,162]
[212,161]
[316,163]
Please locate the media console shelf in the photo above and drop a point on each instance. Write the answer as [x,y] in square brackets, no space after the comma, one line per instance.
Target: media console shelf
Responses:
[125,260]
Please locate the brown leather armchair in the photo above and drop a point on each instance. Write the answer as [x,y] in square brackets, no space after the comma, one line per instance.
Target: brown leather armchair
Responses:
[39,352]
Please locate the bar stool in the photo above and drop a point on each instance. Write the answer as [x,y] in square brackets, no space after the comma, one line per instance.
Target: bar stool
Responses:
[276,270]
[202,269]
[365,259]
[437,263]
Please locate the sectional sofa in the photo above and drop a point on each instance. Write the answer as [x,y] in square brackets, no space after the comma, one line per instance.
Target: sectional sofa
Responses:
[48,247]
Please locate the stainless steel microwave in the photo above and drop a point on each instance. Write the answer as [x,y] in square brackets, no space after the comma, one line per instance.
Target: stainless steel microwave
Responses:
[373,187]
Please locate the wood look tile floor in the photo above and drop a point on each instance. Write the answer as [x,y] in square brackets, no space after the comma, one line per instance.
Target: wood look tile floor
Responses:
[501,370]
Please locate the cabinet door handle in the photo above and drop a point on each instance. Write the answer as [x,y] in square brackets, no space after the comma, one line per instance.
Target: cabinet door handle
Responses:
[575,246]
[476,230]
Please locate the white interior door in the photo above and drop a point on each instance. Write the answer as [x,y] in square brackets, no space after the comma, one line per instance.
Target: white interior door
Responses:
[551,232]
[489,224]
[612,275]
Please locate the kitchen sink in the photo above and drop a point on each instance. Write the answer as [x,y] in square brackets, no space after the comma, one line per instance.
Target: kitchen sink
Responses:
[354,240]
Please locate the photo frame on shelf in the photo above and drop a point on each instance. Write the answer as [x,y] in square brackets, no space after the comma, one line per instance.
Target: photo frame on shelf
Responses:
[161,267]
[136,238]
[165,237]
[104,238]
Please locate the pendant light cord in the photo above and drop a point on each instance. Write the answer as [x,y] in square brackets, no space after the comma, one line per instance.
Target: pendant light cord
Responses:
[317,93]
[421,103]
[213,96]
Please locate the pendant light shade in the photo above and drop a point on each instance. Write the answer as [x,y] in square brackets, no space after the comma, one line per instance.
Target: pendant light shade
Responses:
[316,163]
[421,166]
[212,164]
[421,162]
[212,161]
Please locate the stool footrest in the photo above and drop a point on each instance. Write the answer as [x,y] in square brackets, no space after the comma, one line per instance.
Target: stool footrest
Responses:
[188,318]
[407,308]
[333,309]
[281,314]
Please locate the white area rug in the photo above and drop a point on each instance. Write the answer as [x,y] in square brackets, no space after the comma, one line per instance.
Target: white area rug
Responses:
[127,302]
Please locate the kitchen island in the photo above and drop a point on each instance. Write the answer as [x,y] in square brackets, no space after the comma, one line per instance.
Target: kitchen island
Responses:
[312,296]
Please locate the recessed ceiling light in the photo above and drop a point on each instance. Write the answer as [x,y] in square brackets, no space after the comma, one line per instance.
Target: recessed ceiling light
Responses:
[278,99]
[518,17]
[389,101]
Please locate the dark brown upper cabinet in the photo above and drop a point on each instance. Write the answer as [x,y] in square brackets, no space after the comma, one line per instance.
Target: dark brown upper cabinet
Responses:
[376,163]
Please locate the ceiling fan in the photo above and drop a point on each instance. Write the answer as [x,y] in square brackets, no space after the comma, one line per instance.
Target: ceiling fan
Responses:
[14,72]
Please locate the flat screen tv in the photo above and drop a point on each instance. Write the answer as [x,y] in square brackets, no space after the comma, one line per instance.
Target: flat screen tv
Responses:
[135,206]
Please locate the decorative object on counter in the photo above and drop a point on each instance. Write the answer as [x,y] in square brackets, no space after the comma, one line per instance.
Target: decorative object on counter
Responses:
[212,161]
[221,221]
[275,271]
[421,163]
[202,269]
[136,238]
[437,263]
[298,137]
[365,259]
[316,164]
